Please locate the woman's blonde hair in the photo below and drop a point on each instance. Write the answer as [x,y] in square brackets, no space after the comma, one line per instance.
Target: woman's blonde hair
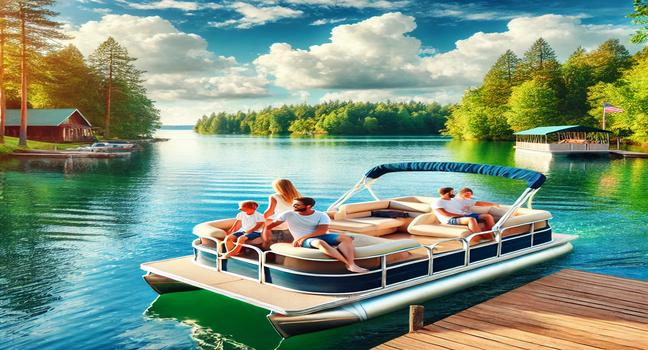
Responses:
[286,190]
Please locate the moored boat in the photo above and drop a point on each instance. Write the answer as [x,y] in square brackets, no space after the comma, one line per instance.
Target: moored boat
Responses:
[111,146]
[411,257]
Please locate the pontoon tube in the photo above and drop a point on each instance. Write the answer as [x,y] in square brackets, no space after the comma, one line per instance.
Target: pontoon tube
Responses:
[288,326]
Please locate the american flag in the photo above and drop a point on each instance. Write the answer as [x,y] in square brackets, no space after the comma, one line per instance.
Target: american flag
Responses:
[608,108]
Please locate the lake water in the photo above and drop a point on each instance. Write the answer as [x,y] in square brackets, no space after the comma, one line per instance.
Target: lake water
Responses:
[73,233]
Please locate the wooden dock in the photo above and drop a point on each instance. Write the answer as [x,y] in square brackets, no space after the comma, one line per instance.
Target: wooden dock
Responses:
[68,154]
[628,154]
[568,310]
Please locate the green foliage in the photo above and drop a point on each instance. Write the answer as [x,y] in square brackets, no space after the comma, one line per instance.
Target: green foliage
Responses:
[533,103]
[500,79]
[63,78]
[628,93]
[333,118]
[537,91]
[640,17]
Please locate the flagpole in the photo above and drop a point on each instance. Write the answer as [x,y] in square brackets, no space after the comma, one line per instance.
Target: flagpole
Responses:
[603,117]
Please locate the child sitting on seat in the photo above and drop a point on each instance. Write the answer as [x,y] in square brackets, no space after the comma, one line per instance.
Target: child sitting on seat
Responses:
[467,203]
[248,226]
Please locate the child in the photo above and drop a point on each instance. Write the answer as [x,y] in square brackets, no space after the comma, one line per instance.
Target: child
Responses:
[247,226]
[467,203]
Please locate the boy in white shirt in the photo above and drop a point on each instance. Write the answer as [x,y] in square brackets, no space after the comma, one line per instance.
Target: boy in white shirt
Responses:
[468,202]
[450,211]
[247,226]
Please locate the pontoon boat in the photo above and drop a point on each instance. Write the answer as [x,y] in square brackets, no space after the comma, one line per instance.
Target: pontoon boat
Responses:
[411,257]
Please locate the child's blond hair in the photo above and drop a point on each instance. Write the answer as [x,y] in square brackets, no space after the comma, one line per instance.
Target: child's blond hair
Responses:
[248,204]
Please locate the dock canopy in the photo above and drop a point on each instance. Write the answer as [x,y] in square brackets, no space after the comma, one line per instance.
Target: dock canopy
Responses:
[533,178]
[547,130]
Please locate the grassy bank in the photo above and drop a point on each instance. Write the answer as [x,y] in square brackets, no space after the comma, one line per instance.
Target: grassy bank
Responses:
[11,144]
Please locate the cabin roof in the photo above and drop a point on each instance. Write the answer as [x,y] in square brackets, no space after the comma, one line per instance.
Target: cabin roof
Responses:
[42,117]
[546,130]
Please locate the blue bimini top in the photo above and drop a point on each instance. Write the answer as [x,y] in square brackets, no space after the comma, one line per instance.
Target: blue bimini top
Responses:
[533,178]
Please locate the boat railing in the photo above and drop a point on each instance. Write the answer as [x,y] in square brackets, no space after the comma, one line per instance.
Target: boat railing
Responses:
[263,262]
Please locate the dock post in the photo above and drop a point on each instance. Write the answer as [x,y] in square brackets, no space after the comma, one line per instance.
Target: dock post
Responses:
[416,313]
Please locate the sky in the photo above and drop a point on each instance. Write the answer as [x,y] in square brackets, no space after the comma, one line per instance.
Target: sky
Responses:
[211,56]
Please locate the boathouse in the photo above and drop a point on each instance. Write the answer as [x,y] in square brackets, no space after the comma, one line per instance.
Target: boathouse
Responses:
[564,139]
[51,125]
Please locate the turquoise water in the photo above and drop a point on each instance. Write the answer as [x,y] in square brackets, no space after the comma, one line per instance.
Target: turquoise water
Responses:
[73,233]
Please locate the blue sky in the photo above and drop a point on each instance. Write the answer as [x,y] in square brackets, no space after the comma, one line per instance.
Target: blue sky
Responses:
[204,56]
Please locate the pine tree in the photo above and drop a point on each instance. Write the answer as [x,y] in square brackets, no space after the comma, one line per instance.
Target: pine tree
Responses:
[500,79]
[71,83]
[112,64]
[37,33]
[539,62]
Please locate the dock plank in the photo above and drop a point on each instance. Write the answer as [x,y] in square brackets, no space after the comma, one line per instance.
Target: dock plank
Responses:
[568,310]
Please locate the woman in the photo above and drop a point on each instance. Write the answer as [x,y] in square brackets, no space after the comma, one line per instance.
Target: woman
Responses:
[279,202]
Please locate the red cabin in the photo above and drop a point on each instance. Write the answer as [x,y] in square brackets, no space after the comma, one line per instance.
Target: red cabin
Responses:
[51,125]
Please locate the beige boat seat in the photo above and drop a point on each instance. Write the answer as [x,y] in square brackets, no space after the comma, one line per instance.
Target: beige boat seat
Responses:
[357,217]
[365,246]
[214,229]
[429,225]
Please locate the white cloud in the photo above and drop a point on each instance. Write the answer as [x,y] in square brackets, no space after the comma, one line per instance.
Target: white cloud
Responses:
[303,95]
[323,21]
[359,4]
[171,4]
[178,65]
[103,11]
[165,4]
[439,95]
[373,53]
[471,12]
[379,53]
[255,16]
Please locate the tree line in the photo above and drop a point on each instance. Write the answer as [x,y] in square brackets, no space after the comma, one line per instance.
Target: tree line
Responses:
[332,118]
[534,90]
[37,72]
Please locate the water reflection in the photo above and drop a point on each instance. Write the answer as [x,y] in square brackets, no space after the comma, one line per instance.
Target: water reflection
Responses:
[55,215]
[216,322]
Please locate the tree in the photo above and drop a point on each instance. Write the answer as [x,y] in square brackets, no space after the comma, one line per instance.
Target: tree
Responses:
[608,61]
[640,17]
[533,103]
[539,62]
[112,63]
[630,94]
[37,33]
[71,83]
[500,79]
[577,78]
[7,24]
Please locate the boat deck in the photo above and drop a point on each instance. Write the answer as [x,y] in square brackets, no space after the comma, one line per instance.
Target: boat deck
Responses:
[568,310]
[269,297]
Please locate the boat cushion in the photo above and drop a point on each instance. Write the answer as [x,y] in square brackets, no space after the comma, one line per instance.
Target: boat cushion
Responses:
[215,229]
[521,216]
[440,230]
[367,225]
[365,246]
[347,209]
